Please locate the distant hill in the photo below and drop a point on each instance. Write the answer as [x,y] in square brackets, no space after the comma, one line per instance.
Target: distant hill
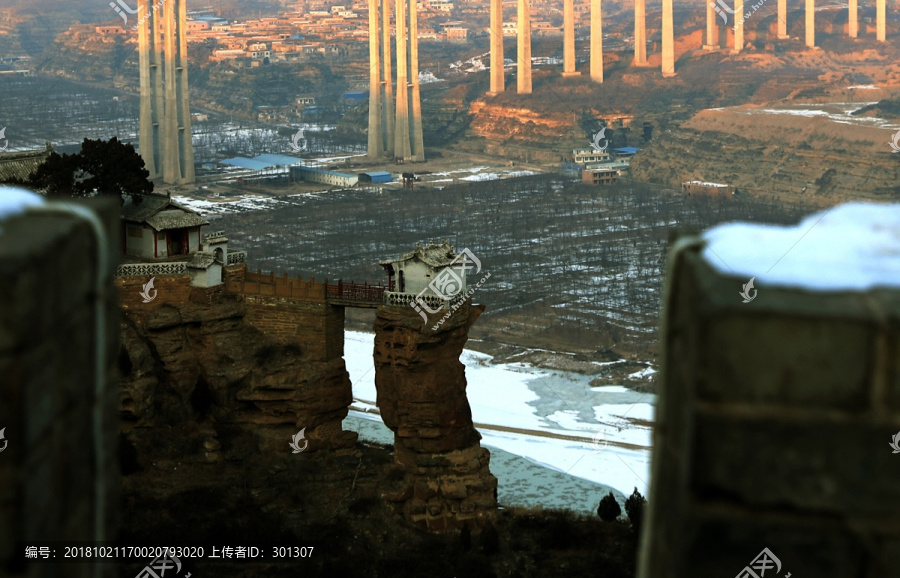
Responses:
[33,25]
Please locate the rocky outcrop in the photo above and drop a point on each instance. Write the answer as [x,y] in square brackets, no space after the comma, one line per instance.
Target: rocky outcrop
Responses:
[422,396]
[193,360]
[762,152]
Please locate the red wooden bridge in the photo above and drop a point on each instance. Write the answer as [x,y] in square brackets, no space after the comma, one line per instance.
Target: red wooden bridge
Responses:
[355,294]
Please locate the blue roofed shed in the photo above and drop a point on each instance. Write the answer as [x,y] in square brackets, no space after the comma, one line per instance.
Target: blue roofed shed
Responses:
[375,177]
[625,152]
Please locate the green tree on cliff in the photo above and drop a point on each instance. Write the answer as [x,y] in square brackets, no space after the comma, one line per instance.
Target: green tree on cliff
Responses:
[109,168]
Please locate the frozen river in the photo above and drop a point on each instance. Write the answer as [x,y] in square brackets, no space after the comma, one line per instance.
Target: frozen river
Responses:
[573,442]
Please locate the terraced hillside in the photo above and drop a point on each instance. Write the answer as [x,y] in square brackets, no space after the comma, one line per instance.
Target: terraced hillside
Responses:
[569,263]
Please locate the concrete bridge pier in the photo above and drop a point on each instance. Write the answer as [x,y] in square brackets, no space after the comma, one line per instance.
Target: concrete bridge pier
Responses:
[712,32]
[811,23]
[782,19]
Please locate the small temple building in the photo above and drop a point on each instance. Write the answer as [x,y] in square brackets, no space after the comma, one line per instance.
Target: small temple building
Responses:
[160,236]
[425,272]
[156,227]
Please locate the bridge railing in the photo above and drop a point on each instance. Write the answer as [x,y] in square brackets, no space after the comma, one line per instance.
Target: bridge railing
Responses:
[356,292]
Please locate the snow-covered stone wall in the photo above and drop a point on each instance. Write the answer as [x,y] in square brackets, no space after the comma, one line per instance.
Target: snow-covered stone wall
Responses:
[779,402]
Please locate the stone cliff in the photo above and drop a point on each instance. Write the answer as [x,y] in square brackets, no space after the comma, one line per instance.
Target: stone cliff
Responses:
[221,374]
[204,359]
[422,396]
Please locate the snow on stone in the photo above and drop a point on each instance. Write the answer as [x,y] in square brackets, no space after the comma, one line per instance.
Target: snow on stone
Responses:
[646,372]
[850,247]
[428,77]
[14,200]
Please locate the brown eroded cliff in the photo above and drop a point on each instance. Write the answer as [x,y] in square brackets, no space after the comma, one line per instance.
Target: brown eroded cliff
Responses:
[422,396]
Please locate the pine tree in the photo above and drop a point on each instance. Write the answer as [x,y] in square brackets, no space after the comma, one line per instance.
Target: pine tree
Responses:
[634,507]
[609,508]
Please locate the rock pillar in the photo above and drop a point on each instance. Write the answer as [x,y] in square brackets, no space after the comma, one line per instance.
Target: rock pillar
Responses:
[640,33]
[523,79]
[811,23]
[880,29]
[738,26]
[569,38]
[597,40]
[422,396]
[668,40]
[852,19]
[376,136]
[497,77]
[782,18]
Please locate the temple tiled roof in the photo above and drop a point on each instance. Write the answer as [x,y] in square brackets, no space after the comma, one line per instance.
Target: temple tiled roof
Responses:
[175,219]
[21,165]
[201,260]
[434,254]
[160,212]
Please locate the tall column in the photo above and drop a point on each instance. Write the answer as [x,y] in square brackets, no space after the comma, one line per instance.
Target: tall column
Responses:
[185,133]
[148,136]
[418,145]
[640,33]
[712,32]
[376,138]
[172,170]
[165,111]
[523,78]
[170,125]
[668,40]
[569,38]
[597,40]
[157,81]
[782,18]
[880,30]
[387,79]
[401,127]
[497,76]
[853,19]
[811,23]
[738,26]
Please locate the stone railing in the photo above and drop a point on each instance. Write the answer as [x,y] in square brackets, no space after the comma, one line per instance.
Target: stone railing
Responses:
[237,257]
[362,292]
[151,269]
[395,298]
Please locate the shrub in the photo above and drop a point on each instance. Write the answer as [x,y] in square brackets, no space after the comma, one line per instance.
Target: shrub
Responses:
[609,508]
[634,507]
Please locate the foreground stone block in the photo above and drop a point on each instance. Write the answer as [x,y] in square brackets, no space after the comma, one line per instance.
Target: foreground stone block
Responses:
[59,474]
[777,407]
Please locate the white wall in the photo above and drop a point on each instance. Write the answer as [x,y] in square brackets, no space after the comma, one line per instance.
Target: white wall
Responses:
[208,277]
[417,275]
